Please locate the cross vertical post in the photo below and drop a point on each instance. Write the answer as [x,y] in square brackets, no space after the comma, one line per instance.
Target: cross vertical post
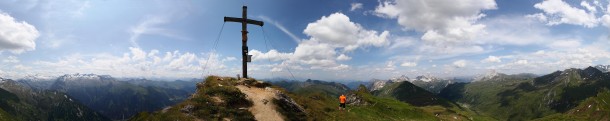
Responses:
[244,37]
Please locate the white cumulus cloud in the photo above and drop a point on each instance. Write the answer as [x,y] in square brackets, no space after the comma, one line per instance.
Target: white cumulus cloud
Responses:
[272,55]
[138,54]
[459,63]
[440,20]
[606,20]
[491,59]
[136,63]
[408,64]
[331,33]
[588,6]
[16,36]
[339,31]
[340,67]
[330,38]
[343,57]
[560,12]
[521,62]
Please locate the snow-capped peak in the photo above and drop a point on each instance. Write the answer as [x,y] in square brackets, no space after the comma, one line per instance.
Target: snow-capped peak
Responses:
[488,75]
[378,84]
[78,76]
[1,80]
[38,77]
[400,79]
[425,78]
[603,68]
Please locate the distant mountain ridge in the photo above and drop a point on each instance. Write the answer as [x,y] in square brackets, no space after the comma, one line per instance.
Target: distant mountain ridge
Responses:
[528,97]
[116,99]
[377,84]
[603,68]
[496,76]
[331,88]
[111,97]
[400,79]
[24,103]
[570,94]
[78,77]
[431,84]
[185,85]
[408,92]
[38,77]
[427,82]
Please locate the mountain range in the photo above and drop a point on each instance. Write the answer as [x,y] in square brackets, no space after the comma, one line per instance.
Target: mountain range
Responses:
[427,82]
[18,102]
[603,68]
[310,100]
[556,96]
[330,88]
[114,98]
[570,94]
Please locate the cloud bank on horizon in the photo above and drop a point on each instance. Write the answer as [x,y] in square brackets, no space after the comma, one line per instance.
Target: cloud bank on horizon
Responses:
[330,40]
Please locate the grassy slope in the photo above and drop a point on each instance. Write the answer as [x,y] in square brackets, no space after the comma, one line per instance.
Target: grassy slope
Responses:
[429,102]
[527,99]
[504,100]
[320,106]
[204,106]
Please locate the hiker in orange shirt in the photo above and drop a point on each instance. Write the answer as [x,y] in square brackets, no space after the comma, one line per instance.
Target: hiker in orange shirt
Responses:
[342,102]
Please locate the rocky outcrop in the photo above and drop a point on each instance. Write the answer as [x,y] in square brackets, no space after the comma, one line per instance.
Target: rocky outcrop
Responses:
[378,84]
[354,99]
[400,79]
[287,103]
[188,109]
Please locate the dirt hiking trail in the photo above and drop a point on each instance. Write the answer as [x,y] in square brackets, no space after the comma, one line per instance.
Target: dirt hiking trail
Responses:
[262,109]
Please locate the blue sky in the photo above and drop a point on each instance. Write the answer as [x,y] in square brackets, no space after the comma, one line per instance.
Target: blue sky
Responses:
[324,39]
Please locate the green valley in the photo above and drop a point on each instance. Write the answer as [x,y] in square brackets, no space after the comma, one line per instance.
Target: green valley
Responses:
[509,98]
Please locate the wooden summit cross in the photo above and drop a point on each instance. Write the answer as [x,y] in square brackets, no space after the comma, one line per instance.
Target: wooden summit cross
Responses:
[244,37]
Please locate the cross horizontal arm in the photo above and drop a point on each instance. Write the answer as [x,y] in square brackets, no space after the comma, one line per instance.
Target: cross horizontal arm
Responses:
[239,20]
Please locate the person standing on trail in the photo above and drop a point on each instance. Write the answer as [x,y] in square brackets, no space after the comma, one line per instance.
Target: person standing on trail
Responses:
[342,99]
